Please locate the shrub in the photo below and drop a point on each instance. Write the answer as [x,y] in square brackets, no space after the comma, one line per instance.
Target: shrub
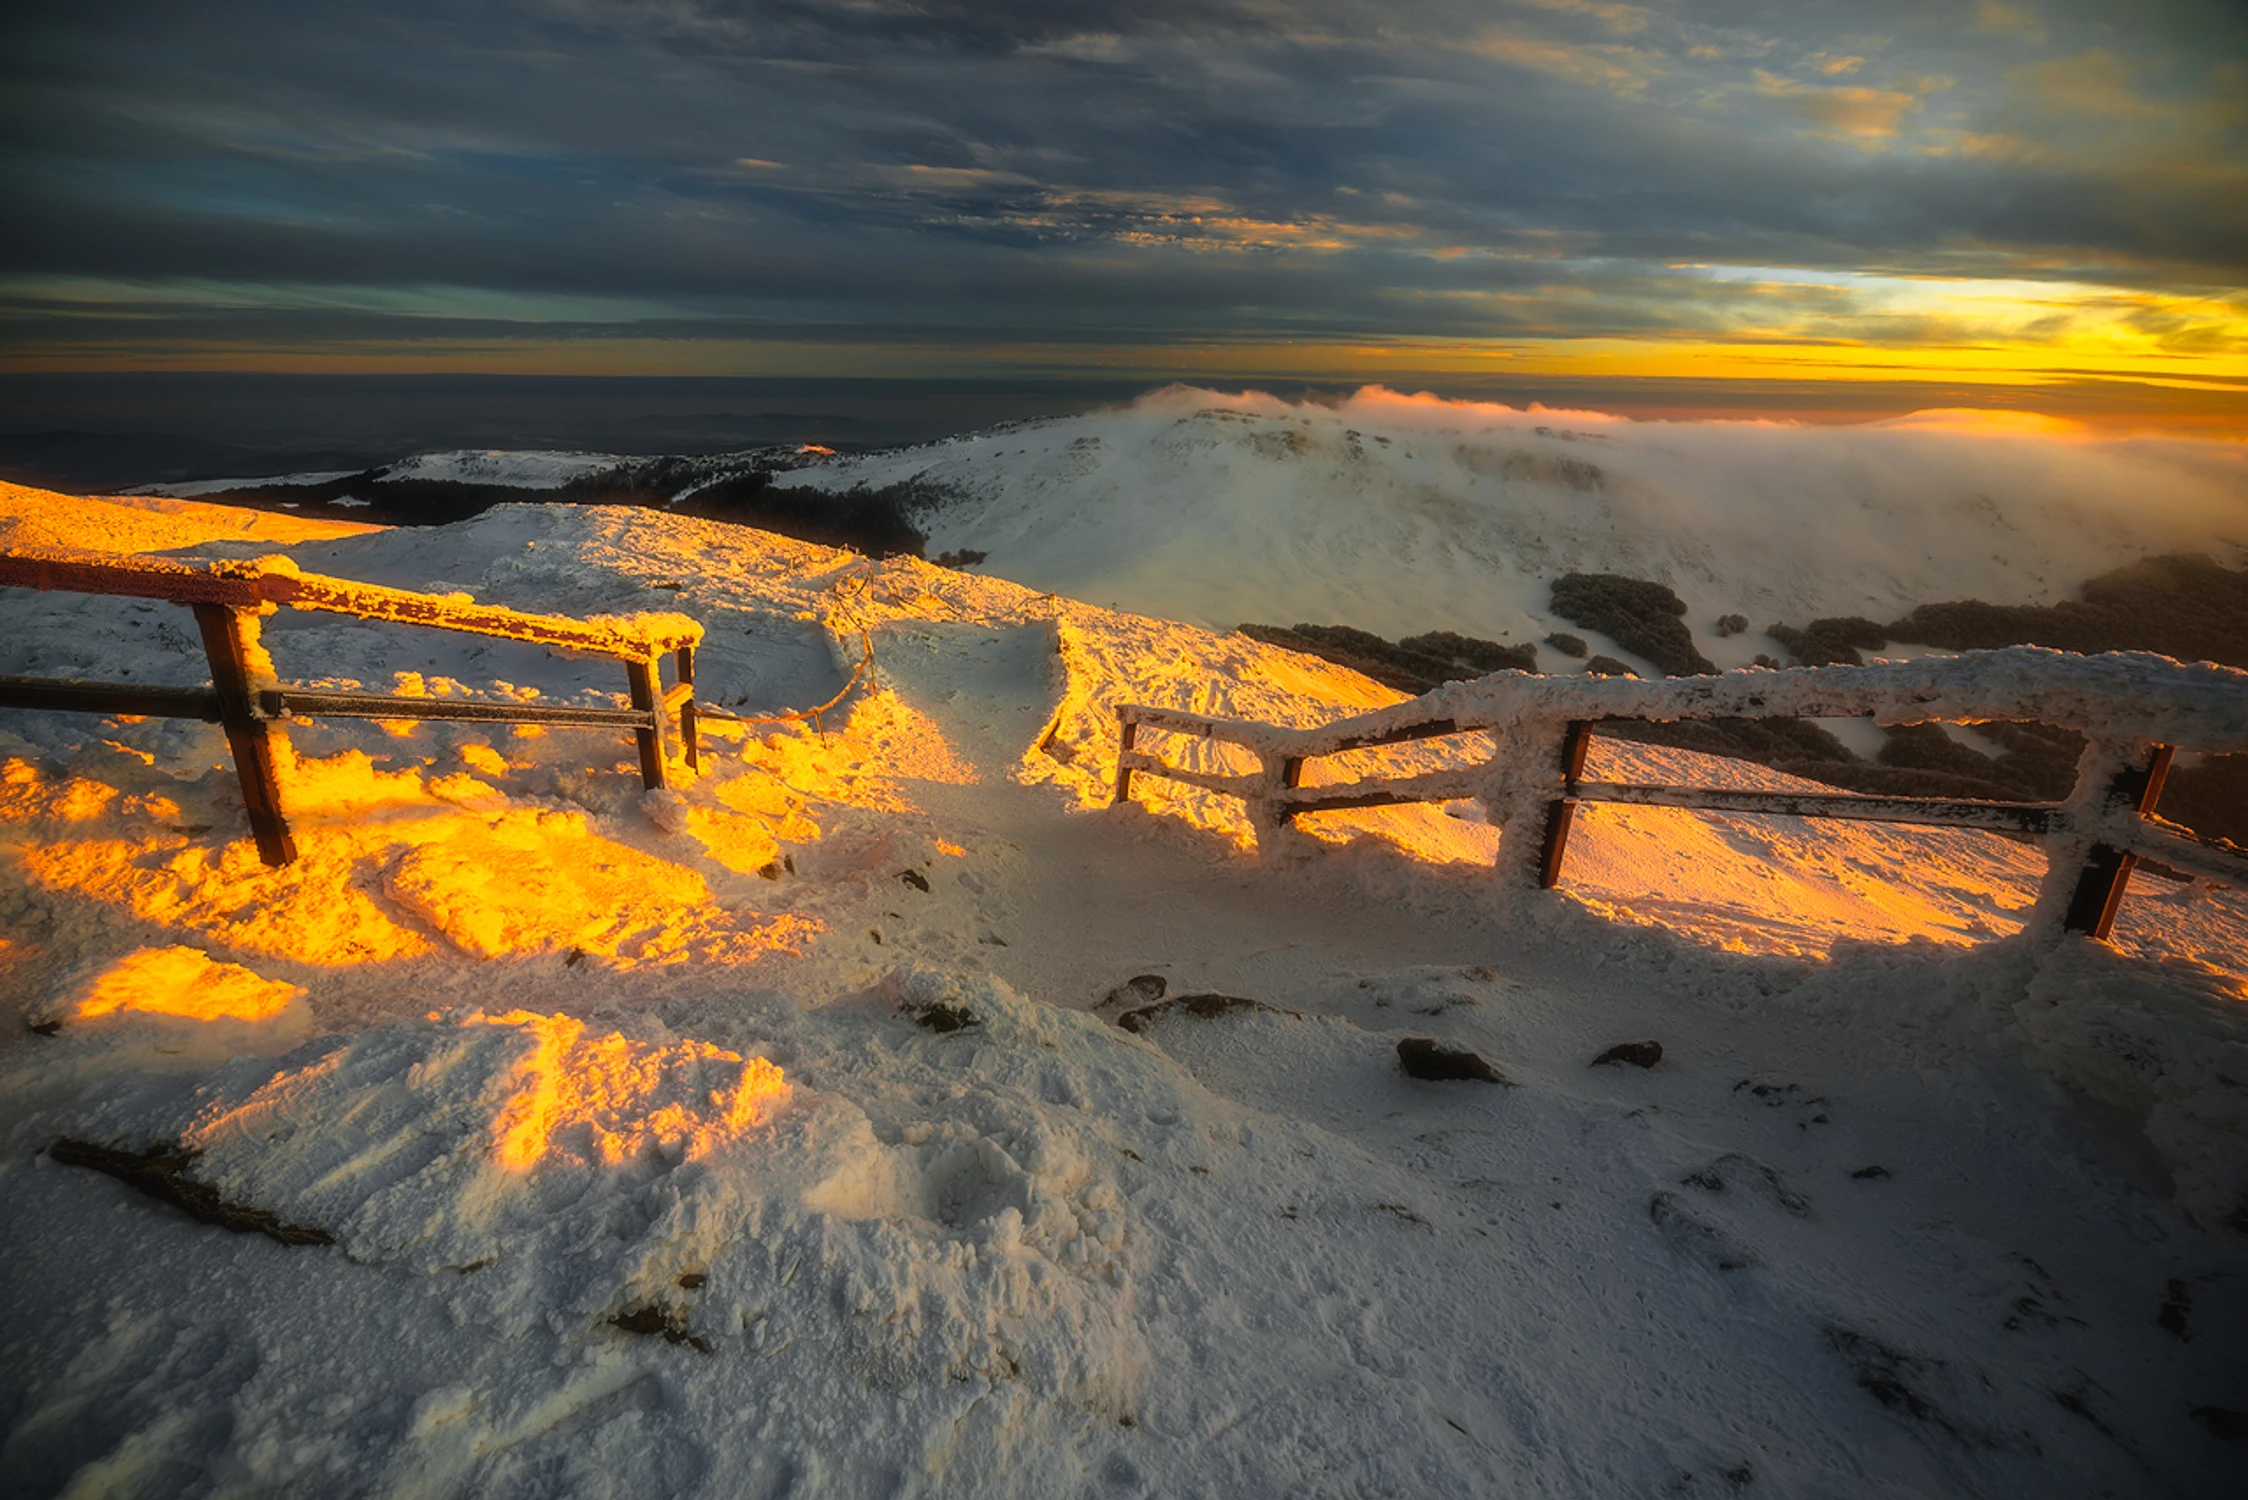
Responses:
[1608,666]
[1414,665]
[1729,625]
[2185,605]
[1639,616]
[1830,640]
[1469,651]
[875,521]
[1567,644]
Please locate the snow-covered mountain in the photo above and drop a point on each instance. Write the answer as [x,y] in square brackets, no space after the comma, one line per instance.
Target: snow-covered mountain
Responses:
[1401,514]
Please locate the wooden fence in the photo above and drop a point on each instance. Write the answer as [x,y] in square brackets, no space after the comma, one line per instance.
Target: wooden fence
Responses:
[2134,710]
[245,697]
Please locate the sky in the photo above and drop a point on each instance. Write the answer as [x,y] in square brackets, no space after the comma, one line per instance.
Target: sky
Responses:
[2039,204]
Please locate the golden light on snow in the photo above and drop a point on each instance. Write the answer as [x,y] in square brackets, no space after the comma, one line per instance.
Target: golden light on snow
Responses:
[183,982]
[606,1101]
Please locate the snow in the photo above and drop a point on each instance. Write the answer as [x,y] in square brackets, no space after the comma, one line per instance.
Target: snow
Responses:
[895,1205]
[33,518]
[194,488]
[516,469]
[1401,514]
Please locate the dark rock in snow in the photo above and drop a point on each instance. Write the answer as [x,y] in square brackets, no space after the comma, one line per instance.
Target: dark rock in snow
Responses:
[939,1016]
[1638,1054]
[669,1322]
[1140,989]
[1424,1057]
[1202,1007]
[161,1172]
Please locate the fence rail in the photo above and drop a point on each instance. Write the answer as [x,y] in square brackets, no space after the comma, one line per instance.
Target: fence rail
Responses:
[2135,711]
[230,598]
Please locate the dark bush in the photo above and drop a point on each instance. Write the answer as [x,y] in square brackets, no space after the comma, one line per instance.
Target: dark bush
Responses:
[875,521]
[1399,664]
[1732,625]
[2210,798]
[1567,644]
[1478,655]
[2186,606]
[1830,640]
[1639,616]
[1608,666]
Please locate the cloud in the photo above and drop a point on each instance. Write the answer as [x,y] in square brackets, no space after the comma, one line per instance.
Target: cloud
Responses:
[1185,170]
[1619,70]
[1848,111]
[1623,20]
[2011,20]
[2097,83]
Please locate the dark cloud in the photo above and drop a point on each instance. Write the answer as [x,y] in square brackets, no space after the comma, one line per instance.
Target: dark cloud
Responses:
[1037,170]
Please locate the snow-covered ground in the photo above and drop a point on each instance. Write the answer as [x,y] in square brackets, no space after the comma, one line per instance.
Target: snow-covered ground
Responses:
[518,470]
[775,1135]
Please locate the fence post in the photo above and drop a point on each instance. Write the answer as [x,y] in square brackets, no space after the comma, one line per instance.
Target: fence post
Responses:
[683,661]
[238,670]
[1562,810]
[1127,735]
[2107,869]
[1278,837]
[642,675]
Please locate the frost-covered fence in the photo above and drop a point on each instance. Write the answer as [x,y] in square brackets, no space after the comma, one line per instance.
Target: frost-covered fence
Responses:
[247,698]
[2134,710]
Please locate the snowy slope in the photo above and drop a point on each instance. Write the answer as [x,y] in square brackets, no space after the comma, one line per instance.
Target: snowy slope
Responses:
[518,470]
[1406,514]
[1902,1209]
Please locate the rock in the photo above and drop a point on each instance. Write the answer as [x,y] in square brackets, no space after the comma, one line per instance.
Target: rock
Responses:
[939,1015]
[1202,1007]
[161,1172]
[669,1322]
[1638,1054]
[1424,1057]
[1140,989]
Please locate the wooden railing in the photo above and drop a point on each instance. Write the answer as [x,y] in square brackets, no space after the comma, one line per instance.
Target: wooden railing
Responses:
[2134,710]
[229,599]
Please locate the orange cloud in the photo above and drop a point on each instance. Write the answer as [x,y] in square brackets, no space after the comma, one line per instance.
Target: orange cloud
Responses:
[1852,111]
[1619,70]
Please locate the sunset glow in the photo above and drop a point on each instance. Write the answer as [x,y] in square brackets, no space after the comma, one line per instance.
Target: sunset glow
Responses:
[1677,206]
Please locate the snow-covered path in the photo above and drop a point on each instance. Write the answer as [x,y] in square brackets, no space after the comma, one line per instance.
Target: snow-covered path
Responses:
[1930,1218]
